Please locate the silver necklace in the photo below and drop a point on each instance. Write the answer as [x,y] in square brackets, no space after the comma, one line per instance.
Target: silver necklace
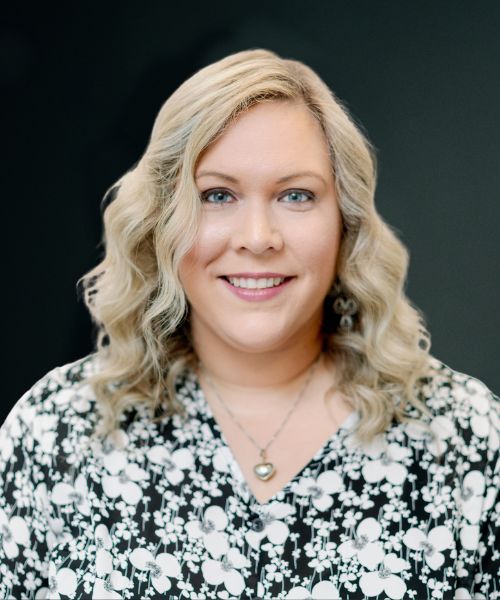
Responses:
[264,470]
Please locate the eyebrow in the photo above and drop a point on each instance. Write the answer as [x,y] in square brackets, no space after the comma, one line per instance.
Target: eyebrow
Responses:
[280,180]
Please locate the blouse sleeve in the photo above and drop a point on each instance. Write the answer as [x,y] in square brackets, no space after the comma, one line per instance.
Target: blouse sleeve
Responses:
[487,573]
[23,519]
[479,571]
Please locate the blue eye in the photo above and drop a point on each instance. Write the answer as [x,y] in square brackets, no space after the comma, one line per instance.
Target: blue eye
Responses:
[218,196]
[299,197]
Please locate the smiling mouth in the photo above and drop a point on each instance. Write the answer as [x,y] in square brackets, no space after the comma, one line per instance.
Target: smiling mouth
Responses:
[256,283]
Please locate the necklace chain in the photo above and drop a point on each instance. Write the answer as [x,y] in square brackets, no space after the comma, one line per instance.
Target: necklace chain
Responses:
[283,423]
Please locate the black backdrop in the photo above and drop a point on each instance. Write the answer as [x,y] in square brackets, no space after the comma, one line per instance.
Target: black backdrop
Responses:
[82,83]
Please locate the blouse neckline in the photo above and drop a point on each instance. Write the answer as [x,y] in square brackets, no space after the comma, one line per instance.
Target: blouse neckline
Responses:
[240,484]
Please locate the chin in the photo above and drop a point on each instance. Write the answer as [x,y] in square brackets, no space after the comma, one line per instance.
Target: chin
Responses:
[256,344]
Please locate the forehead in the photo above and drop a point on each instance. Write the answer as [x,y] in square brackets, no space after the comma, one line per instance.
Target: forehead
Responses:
[276,135]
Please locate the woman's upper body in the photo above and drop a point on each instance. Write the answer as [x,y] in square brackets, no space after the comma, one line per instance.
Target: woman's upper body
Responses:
[243,247]
[165,509]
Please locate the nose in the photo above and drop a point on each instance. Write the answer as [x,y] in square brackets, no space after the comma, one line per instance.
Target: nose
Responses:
[257,229]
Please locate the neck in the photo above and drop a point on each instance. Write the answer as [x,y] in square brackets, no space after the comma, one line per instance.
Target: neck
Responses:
[249,378]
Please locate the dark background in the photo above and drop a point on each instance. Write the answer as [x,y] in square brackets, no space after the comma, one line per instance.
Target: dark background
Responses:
[81,86]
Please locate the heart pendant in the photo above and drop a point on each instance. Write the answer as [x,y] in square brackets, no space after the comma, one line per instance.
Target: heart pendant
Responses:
[264,471]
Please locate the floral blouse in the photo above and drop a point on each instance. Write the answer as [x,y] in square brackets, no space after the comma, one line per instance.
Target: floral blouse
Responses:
[163,511]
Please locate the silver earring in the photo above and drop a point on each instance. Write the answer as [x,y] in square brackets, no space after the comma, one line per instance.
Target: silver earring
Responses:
[424,341]
[343,305]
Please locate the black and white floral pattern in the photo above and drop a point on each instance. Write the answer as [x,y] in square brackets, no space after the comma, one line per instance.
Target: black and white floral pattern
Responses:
[163,511]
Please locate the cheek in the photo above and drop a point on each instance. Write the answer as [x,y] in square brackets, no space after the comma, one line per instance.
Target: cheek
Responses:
[209,244]
[319,245]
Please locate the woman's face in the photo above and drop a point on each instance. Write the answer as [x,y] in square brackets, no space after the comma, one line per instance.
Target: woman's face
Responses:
[268,208]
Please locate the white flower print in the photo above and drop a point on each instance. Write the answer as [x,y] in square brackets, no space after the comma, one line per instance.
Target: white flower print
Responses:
[472,497]
[103,559]
[469,536]
[384,579]
[222,459]
[44,432]
[195,532]
[116,440]
[437,500]
[320,489]
[173,463]
[322,557]
[210,528]
[11,430]
[79,398]
[56,532]
[479,421]
[13,532]
[270,525]
[372,449]
[64,493]
[108,588]
[123,478]
[161,567]
[225,571]
[6,447]
[439,538]
[484,422]
[473,501]
[323,590]
[441,429]
[388,466]
[463,594]
[224,462]
[169,528]
[62,581]
[365,546]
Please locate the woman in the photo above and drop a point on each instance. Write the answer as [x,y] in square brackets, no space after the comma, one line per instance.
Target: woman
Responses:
[262,417]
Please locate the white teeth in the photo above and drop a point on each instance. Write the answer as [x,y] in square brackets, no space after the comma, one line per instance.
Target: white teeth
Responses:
[255,283]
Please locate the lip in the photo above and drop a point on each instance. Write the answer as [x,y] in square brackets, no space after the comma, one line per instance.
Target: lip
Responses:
[255,295]
[265,275]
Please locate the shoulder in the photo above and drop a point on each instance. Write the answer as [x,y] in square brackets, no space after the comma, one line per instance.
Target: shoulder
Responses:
[59,401]
[468,399]
[64,387]
[462,410]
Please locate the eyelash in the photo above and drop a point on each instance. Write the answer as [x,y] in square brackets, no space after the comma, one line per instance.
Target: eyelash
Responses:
[310,197]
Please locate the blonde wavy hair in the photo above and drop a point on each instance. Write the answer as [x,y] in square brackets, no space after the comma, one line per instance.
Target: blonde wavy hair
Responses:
[135,296]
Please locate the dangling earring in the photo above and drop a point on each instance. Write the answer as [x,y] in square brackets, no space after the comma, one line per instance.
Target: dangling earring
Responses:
[424,341]
[343,305]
